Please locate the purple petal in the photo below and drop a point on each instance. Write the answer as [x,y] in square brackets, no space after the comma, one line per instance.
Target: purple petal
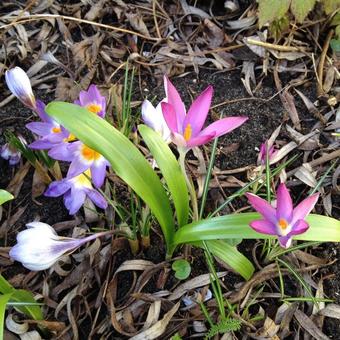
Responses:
[284,203]
[264,227]
[97,198]
[57,188]
[263,207]
[198,111]
[41,145]
[304,208]
[76,168]
[98,173]
[200,140]
[169,115]
[74,199]
[175,100]
[285,241]
[299,227]
[61,152]
[39,128]
[224,125]
[40,109]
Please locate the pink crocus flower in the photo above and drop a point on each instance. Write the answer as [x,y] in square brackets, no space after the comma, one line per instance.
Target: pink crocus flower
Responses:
[263,152]
[284,221]
[187,127]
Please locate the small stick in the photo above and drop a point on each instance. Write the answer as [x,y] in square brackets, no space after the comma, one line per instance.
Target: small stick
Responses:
[274,46]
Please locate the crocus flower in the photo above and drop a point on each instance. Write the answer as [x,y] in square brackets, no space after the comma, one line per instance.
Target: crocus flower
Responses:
[11,153]
[19,84]
[92,100]
[263,152]
[75,191]
[284,221]
[187,128]
[39,247]
[153,117]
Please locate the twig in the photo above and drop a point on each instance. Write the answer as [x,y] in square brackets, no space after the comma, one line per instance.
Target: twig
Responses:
[274,46]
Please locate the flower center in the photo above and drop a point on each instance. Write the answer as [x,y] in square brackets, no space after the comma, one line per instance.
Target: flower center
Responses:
[82,180]
[283,226]
[89,154]
[187,132]
[56,129]
[94,108]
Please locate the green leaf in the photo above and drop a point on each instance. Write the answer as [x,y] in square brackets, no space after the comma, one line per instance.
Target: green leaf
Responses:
[5,196]
[3,302]
[171,171]
[231,256]
[270,10]
[21,295]
[321,228]
[331,6]
[126,160]
[182,269]
[300,8]
[336,20]
[335,45]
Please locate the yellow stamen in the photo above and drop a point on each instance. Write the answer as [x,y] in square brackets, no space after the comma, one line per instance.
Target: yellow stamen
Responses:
[56,129]
[83,179]
[187,132]
[94,108]
[89,154]
[283,224]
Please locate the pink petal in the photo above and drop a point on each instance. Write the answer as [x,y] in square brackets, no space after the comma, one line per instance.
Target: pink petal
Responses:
[169,114]
[304,208]
[284,203]
[198,111]
[299,227]
[263,207]
[200,140]
[175,100]
[264,227]
[285,241]
[224,125]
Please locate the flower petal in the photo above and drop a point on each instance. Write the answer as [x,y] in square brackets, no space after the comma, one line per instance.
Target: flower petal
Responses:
[150,116]
[40,128]
[57,188]
[284,203]
[264,227]
[200,140]
[97,198]
[174,99]
[61,152]
[304,208]
[74,199]
[98,173]
[198,111]
[40,109]
[41,145]
[263,207]
[299,227]
[285,241]
[224,125]
[169,115]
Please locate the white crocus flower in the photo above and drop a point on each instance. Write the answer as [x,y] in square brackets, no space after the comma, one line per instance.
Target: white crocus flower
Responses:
[153,117]
[19,84]
[39,247]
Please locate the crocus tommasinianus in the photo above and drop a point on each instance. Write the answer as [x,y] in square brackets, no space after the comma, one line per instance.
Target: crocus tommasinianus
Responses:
[284,221]
[20,85]
[186,128]
[92,100]
[75,191]
[11,153]
[39,247]
[263,153]
[153,117]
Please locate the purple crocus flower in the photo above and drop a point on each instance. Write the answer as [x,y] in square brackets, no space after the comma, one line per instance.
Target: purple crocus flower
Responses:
[75,191]
[19,84]
[92,100]
[39,247]
[187,128]
[11,153]
[284,221]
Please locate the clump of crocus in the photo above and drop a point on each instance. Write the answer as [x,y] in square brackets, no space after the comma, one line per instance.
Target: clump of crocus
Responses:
[75,191]
[263,152]
[284,221]
[39,247]
[10,153]
[187,127]
[20,85]
[153,117]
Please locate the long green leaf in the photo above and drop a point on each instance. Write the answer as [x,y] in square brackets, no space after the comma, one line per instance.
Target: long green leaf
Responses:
[321,228]
[3,302]
[126,160]
[21,295]
[5,196]
[231,256]
[171,171]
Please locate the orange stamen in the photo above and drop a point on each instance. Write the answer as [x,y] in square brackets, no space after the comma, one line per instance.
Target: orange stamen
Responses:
[94,108]
[187,132]
[283,224]
[56,129]
[89,154]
